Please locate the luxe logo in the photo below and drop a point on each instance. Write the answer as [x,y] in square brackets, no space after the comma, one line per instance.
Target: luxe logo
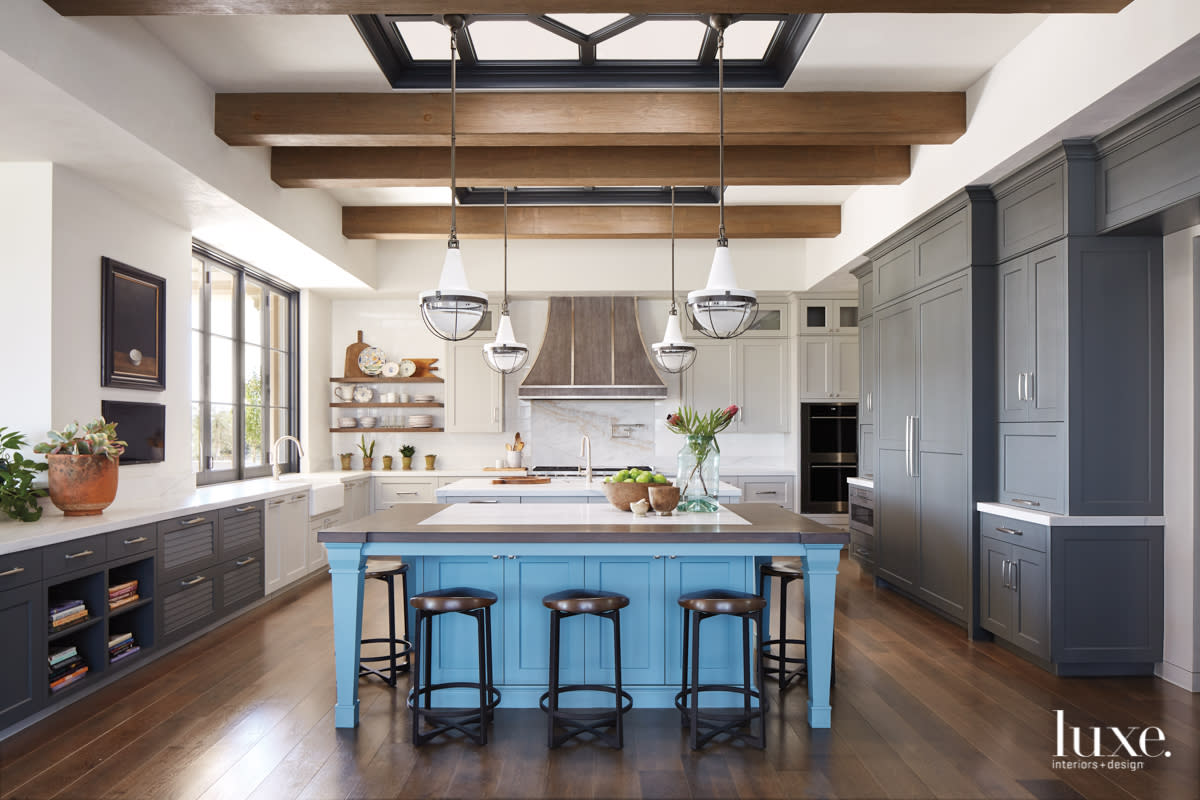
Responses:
[1123,747]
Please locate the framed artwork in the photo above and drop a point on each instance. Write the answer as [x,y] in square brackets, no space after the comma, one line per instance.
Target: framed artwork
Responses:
[132,327]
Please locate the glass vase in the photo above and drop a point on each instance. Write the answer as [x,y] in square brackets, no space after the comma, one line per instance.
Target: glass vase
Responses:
[698,474]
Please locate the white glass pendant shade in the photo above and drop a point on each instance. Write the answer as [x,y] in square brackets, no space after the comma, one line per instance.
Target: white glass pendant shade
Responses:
[505,355]
[673,354]
[453,311]
[721,310]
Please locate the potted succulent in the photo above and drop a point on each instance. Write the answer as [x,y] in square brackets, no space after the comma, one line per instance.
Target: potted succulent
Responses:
[367,450]
[83,466]
[406,455]
[18,495]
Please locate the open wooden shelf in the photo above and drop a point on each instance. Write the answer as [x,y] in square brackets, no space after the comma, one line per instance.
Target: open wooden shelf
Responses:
[58,633]
[386,430]
[381,379]
[387,405]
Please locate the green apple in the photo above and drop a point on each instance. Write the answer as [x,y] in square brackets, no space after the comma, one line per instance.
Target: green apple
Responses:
[620,476]
[644,477]
[629,480]
[660,478]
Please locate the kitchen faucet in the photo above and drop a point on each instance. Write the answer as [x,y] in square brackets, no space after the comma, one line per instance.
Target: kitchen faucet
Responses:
[276,469]
[585,452]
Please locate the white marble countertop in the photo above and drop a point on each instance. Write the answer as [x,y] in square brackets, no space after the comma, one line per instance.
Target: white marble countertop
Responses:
[558,487]
[1062,520]
[862,483]
[572,514]
[441,473]
[750,470]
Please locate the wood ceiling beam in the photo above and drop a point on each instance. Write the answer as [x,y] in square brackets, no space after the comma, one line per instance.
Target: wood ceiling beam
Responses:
[210,7]
[587,119]
[590,222]
[343,167]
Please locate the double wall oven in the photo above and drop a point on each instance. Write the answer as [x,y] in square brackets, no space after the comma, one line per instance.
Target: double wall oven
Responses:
[828,455]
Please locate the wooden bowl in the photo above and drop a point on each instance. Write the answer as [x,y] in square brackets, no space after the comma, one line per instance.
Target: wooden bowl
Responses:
[664,497]
[622,494]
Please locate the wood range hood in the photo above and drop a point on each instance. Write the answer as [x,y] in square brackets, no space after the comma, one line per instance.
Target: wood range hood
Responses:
[592,350]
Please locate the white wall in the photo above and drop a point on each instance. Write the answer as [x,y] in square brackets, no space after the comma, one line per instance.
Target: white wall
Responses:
[314,398]
[90,222]
[1181,644]
[25,230]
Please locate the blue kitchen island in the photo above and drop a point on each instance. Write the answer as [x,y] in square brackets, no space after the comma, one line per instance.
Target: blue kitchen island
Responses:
[523,552]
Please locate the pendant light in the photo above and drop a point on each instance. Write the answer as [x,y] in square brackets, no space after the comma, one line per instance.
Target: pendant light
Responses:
[505,355]
[453,311]
[721,310]
[673,354]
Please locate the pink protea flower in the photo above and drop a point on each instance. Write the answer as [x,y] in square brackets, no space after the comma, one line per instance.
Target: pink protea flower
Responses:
[732,411]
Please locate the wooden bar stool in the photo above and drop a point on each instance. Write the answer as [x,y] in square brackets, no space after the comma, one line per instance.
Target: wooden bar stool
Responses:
[778,663]
[697,607]
[570,603]
[399,647]
[475,603]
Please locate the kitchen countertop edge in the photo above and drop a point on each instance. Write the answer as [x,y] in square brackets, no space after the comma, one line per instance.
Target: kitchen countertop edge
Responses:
[1064,521]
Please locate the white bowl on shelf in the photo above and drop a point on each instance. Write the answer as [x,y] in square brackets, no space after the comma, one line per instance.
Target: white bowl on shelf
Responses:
[347,422]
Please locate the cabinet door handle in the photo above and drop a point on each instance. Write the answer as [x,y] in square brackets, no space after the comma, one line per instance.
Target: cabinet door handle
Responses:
[1004,573]
[192,521]
[1033,503]
[1020,385]
[510,558]
[80,554]
[908,446]
[1030,387]
[19,570]
[193,581]
[244,561]
[672,556]
[495,557]
[1014,575]
[137,540]
[656,558]
[1013,531]
[244,509]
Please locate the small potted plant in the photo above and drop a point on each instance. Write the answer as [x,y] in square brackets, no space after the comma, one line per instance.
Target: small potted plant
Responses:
[345,457]
[406,455]
[387,463]
[18,495]
[368,451]
[83,466]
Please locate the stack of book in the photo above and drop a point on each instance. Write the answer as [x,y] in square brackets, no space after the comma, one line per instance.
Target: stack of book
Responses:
[120,646]
[66,667]
[67,613]
[122,594]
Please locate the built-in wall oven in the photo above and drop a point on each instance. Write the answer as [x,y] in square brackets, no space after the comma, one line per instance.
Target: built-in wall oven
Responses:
[828,455]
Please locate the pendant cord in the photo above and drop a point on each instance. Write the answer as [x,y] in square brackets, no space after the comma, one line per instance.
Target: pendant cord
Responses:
[453,134]
[673,309]
[504,307]
[721,240]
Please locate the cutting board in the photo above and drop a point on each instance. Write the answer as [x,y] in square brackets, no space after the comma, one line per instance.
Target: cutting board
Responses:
[351,369]
[504,469]
[521,480]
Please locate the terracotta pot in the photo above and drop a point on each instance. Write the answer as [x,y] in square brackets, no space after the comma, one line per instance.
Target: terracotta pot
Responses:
[367,463]
[406,462]
[387,462]
[346,457]
[82,485]
[429,461]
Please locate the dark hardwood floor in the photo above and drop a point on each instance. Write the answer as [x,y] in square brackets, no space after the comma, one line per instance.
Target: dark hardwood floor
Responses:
[919,711]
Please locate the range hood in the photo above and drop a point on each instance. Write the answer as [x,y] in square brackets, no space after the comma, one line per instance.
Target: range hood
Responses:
[592,350]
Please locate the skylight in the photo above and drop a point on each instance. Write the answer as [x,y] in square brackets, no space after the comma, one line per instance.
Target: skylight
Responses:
[517,40]
[656,40]
[587,23]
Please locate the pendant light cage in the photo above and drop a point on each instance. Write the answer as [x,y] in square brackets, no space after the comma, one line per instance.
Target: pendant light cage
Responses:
[505,355]
[721,310]
[673,354]
[453,311]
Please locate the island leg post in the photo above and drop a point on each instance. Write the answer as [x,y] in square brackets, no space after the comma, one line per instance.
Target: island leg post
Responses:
[346,562]
[820,564]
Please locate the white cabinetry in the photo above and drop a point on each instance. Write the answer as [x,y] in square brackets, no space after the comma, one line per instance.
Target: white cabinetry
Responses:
[829,368]
[285,548]
[753,373]
[393,491]
[316,555]
[357,502]
[474,393]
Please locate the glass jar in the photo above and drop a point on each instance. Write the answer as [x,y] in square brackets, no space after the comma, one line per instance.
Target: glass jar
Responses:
[698,474]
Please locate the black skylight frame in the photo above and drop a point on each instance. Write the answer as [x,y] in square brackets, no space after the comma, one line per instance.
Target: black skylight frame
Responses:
[587,195]
[403,72]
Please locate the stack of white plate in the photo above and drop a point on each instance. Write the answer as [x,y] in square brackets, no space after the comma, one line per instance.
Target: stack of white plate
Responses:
[347,422]
[420,421]
[368,422]
[422,398]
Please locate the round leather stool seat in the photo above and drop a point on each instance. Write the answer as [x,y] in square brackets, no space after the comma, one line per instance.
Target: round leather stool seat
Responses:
[584,601]
[783,569]
[382,567]
[458,598]
[722,601]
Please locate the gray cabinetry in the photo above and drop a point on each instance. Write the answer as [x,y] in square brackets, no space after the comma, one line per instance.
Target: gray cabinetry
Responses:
[1013,595]
[866,363]
[23,656]
[1032,463]
[241,530]
[1032,316]
[186,544]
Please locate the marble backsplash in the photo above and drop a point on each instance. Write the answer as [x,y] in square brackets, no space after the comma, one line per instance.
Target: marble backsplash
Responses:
[557,426]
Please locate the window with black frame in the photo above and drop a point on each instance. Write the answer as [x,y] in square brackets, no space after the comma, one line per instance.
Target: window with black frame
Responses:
[244,368]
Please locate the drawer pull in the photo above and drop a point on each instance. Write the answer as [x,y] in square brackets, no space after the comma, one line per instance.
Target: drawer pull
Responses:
[494,557]
[193,581]
[1013,531]
[279,502]
[1026,502]
[13,571]
[243,509]
[192,521]
[862,551]
[406,493]
[482,501]
[766,493]
[510,558]
[80,554]
[244,561]
[137,540]
[657,557]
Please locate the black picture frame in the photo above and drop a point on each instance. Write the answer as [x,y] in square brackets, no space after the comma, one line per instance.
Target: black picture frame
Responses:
[133,325]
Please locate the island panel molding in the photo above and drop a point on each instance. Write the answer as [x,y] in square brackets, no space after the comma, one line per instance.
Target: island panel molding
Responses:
[590,222]
[511,119]
[339,167]
[281,7]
